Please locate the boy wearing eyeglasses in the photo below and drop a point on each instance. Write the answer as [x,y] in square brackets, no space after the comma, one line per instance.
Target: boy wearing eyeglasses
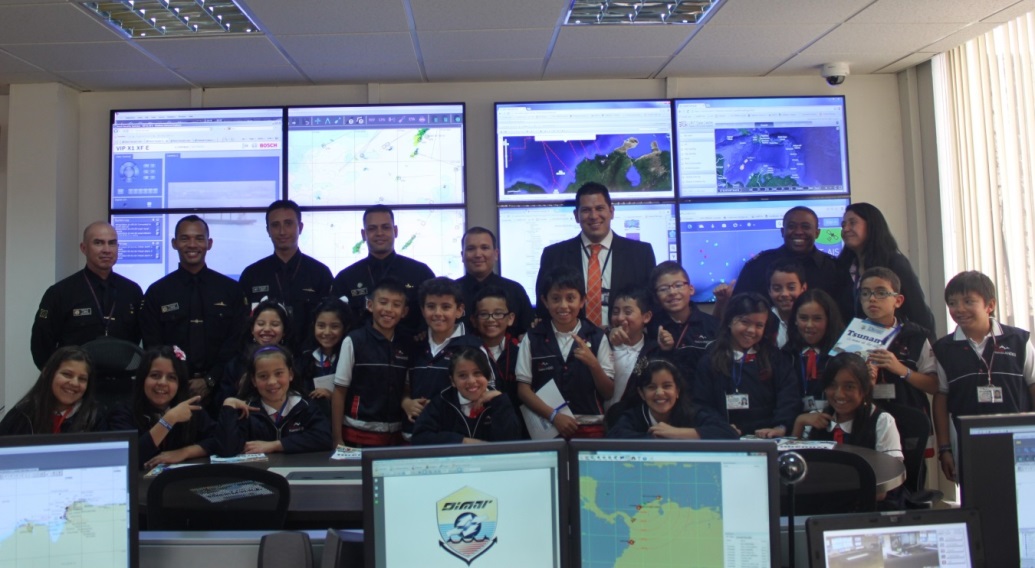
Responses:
[907,369]
[493,317]
[684,331]
[442,305]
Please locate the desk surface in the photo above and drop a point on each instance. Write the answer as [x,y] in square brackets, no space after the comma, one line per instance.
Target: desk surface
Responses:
[318,505]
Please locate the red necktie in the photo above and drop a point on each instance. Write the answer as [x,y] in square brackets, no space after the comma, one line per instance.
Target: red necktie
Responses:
[839,435]
[810,365]
[594,286]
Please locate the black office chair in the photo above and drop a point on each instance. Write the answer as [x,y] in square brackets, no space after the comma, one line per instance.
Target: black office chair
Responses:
[914,428]
[837,482]
[115,362]
[217,497]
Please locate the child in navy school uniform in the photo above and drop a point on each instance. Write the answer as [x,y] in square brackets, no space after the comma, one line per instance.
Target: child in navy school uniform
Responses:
[469,411]
[984,367]
[786,281]
[572,353]
[491,319]
[172,425]
[905,371]
[366,407]
[630,313]
[442,305]
[684,331]
[61,400]
[332,321]
[665,409]
[271,415]
[815,327]
[744,376]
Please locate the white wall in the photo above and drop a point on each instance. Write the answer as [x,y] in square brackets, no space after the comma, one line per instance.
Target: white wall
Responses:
[874,138]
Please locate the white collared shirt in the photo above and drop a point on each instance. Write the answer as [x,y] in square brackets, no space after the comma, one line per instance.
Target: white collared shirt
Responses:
[625,361]
[781,334]
[979,349]
[458,330]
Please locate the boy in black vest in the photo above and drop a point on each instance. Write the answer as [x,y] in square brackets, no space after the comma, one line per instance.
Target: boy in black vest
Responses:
[984,367]
[572,353]
[492,317]
[366,407]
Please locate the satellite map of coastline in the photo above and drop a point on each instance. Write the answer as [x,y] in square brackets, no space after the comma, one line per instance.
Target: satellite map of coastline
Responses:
[624,163]
[778,157]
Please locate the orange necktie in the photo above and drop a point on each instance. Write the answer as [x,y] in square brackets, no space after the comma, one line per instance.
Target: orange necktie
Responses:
[594,286]
[811,371]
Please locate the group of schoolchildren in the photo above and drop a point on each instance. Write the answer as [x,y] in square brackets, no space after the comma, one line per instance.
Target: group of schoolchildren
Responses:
[664,369]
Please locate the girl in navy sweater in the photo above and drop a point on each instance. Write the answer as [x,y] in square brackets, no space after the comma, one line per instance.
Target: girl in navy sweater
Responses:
[171,424]
[666,411]
[815,326]
[467,412]
[60,401]
[332,321]
[271,415]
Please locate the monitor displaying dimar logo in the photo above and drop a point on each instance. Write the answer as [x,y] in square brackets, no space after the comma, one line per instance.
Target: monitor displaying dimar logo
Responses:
[467,523]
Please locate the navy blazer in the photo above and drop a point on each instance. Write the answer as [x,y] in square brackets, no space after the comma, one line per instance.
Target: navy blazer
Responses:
[631,264]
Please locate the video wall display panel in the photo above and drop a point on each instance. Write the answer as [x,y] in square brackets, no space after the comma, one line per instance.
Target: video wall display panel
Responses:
[526,231]
[431,236]
[754,147]
[717,238]
[389,154]
[196,158]
[546,150]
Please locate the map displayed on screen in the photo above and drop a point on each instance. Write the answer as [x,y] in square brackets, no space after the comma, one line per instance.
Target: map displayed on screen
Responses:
[777,158]
[546,151]
[650,514]
[63,517]
[624,163]
[347,156]
[761,146]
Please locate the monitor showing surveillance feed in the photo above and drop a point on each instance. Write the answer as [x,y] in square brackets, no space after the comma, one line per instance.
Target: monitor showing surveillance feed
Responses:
[753,147]
[370,154]
[196,158]
[546,150]
[718,238]
[521,248]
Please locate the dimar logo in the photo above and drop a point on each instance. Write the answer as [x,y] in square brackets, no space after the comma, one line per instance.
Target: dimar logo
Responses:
[467,523]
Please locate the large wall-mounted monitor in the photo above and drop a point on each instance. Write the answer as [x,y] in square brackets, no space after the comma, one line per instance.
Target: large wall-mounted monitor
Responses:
[482,505]
[664,503]
[997,477]
[526,231]
[196,158]
[431,236]
[370,154]
[69,500]
[717,238]
[545,151]
[752,147]
[239,238]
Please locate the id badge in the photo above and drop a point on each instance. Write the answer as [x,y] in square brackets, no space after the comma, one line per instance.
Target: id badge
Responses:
[990,394]
[736,402]
[884,391]
[809,403]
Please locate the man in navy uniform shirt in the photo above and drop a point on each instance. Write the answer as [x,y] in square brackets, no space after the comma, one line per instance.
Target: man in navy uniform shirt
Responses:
[196,308]
[354,282]
[91,303]
[288,276]
[480,254]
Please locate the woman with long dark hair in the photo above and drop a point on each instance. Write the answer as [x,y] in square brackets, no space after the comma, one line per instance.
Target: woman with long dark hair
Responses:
[60,401]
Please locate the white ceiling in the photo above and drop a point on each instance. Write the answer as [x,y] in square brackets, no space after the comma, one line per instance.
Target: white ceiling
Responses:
[308,42]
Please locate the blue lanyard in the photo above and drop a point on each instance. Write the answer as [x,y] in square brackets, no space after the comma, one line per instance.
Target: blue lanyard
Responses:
[280,413]
[738,377]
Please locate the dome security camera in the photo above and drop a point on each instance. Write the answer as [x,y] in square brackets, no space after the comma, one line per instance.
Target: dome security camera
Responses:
[834,73]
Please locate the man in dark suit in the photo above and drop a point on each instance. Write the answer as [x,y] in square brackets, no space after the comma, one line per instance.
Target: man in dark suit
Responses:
[621,262]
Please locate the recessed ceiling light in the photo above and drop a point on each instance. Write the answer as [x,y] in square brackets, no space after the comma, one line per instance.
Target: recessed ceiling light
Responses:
[615,12]
[152,19]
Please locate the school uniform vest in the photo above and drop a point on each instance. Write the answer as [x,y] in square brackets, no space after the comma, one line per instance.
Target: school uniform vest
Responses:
[378,376]
[772,395]
[692,338]
[809,387]
[865,437]
[907,346]
[573,379]
[504,368]
[429,374]
[966,373]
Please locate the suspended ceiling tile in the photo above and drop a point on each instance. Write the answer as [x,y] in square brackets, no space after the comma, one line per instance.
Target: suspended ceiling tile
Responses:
[961,37]
[485,44]
[111,80]
[222,77]
[239,51]
[929,11]
[620,41]
[329,16]
[906,62]
[486,14]
[603,67]
[83,56]
[1014,11]
[484,70]
[46,23]
[764,12]
[897,39]
[403,71]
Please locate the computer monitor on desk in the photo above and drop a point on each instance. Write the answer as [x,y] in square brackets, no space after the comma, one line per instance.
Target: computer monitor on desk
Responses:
[68,500]
[997,477]
[673,503]
[501,505]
